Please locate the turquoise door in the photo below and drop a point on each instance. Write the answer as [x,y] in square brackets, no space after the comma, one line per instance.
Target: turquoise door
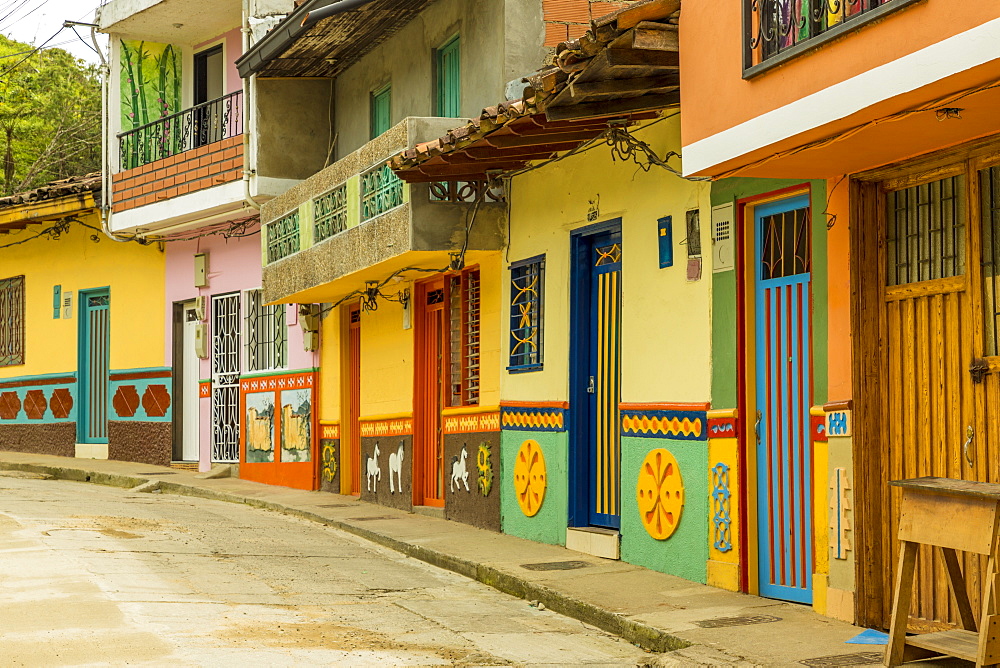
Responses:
[784,396]
[94,310]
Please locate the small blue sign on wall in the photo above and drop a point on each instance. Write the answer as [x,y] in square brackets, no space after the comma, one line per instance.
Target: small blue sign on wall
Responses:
[56,301]
[665,235]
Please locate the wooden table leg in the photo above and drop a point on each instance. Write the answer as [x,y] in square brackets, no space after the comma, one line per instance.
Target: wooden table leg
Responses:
[957,583]
[901,604]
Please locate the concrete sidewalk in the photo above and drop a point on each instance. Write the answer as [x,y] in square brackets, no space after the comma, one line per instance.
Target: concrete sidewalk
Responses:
[695,623]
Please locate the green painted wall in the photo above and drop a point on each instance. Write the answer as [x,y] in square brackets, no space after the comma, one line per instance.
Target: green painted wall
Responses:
[549,524]
[724,314]
[684,553]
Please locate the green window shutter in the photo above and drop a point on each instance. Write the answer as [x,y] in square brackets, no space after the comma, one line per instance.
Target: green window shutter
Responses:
[381,111]
[449,77]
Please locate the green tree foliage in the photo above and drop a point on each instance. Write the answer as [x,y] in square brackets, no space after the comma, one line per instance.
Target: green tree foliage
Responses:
[50,116]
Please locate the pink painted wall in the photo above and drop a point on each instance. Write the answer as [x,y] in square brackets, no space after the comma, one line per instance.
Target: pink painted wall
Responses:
[232,51]
[233,265]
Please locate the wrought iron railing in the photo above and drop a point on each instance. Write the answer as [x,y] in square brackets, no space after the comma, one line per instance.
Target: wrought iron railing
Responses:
[330,213]
[192,128]
[283,237]
[381,190]
[775,30]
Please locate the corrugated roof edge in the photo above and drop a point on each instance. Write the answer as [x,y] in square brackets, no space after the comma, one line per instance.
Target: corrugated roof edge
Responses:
[277,41]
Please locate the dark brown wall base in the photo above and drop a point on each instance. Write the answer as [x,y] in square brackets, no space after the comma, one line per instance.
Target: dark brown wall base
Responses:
[57,438]
[402,496]
[143,442]
[329,467]
[479,505]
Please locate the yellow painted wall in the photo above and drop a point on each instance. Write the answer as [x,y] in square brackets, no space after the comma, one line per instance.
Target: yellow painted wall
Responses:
[387,350]
[666,321]
[329,364]
[135,274]
[724,567]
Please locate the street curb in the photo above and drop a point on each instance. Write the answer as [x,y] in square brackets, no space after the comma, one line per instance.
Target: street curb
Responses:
[642,635]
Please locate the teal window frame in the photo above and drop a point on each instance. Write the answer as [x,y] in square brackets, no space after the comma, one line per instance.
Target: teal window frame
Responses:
[448,79]
[381,110]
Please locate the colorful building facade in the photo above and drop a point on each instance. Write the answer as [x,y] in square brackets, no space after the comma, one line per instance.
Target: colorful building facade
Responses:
[82,371]
[869,130]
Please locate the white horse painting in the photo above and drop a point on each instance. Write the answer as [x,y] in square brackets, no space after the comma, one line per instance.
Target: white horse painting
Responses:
[396,466]
[459,472]
[374,472]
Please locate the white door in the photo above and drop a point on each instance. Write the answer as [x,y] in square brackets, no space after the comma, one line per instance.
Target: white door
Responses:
[190,403]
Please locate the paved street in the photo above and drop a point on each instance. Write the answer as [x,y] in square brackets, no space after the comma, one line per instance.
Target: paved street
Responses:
[97,575]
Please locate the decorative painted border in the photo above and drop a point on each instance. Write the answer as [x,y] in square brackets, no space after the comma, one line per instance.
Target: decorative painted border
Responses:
[534,416]
[677,421]
[141,395]
[471,423]
[838,419]
[293,380]
[329,431]
[389,425]
[32,381]
[723,423]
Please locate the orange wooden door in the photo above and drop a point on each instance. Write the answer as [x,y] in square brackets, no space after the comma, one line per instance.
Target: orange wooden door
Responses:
[353,430]
[429,393]
[939,416]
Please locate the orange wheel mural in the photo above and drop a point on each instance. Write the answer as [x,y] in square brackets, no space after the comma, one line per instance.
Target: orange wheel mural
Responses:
[660,494]
[529,478]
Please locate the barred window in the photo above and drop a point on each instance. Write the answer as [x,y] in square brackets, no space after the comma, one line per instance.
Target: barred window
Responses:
[527,282]
[926,232]
[12,321]
[463,308]
[266,334]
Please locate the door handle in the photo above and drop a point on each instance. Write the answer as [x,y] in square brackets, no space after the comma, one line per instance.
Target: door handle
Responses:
[756,426]
[970,433]
[590,386]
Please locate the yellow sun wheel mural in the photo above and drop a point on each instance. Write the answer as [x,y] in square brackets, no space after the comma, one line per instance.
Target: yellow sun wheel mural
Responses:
[660,494]
[529,478]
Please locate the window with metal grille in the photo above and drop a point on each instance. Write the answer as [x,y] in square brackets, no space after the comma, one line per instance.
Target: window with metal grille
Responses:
[989,187]
[926,232]
[12,321]
[527,283]
[447,70]
[463,309]
[266,334]
[330,213]
[785,244]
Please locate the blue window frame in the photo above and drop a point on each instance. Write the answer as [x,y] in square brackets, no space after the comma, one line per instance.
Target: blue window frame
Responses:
[448,74]
[527,313]
[381,110]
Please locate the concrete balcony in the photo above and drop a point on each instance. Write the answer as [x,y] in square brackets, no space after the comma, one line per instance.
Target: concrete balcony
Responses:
[357,221]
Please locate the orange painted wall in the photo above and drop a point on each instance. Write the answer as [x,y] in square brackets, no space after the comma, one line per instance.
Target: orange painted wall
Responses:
[838,290]
[715,97]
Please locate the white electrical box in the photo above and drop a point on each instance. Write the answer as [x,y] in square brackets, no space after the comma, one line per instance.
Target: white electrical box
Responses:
[201,340]
[723,238]
[201,308]
[201,270]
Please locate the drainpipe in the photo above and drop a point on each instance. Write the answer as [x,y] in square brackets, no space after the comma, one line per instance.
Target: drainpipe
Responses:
[249,115]
[105,141]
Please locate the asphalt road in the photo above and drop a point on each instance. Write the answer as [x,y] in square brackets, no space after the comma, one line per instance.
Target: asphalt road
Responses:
[92,575]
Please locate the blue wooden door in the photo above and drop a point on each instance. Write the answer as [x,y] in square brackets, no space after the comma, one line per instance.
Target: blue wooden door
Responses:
[94,312]
[783,395]
[603,378]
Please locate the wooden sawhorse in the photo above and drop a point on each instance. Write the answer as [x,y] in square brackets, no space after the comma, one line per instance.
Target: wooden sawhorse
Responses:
[951,515]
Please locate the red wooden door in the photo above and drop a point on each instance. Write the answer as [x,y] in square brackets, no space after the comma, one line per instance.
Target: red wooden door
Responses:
[353,432]
[429,398]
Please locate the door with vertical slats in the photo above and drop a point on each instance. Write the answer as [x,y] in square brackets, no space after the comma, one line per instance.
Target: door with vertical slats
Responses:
[94,351]
[604,379]
[783,337]
[430,388]
[352,431]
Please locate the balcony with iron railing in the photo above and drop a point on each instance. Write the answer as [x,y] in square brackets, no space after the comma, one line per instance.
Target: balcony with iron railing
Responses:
[775,31]
[191,150]
[357,214]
